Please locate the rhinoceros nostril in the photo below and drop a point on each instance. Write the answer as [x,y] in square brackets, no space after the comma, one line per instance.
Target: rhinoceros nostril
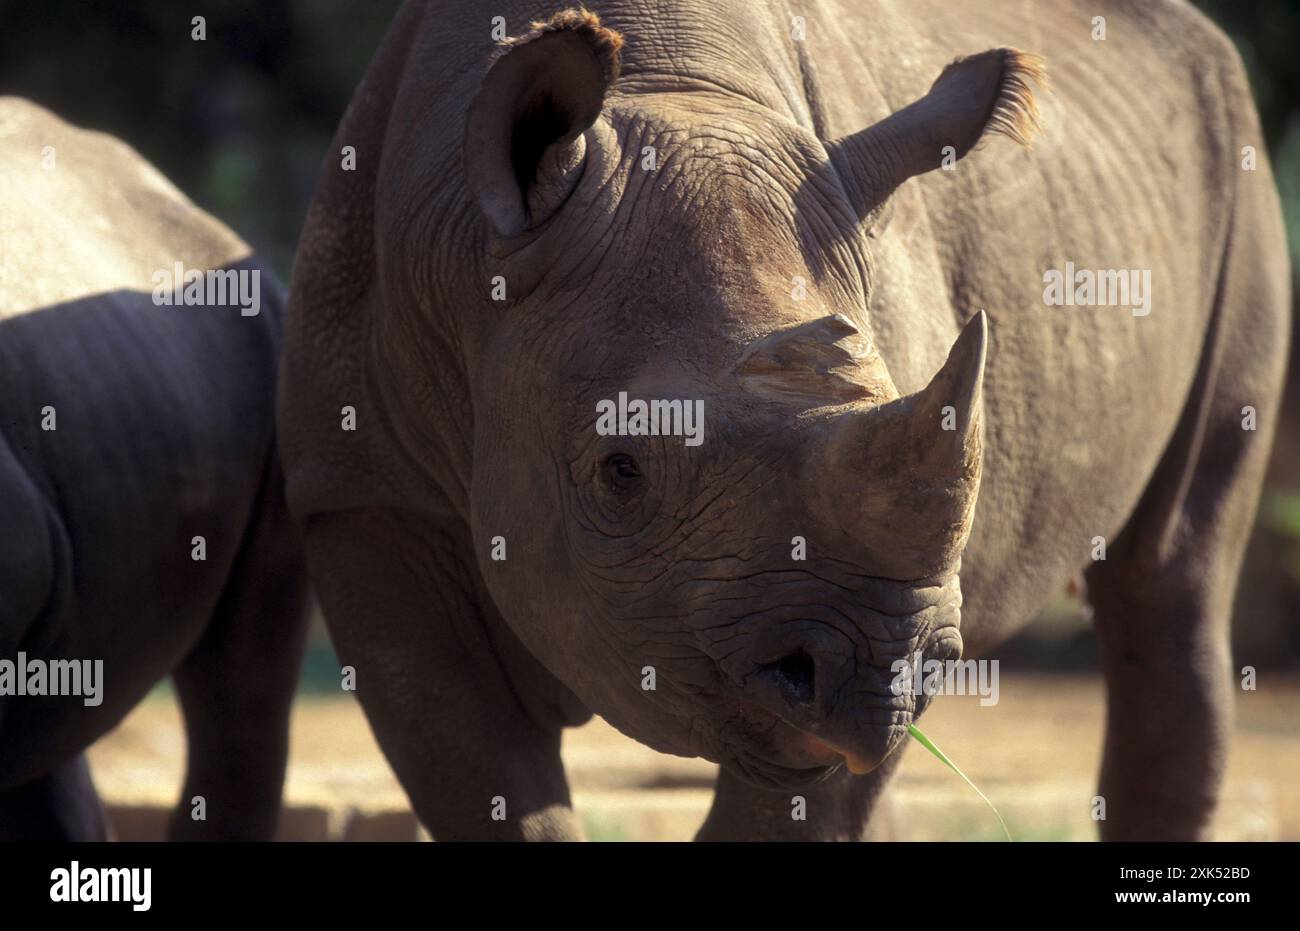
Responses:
[797,675]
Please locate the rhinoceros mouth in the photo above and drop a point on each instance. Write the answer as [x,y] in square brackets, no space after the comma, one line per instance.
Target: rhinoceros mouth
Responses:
[766,774]
[771,752]
[785,741]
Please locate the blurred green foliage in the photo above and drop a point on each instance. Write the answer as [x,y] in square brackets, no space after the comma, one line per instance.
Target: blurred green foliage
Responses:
[1282,513]
[240,121]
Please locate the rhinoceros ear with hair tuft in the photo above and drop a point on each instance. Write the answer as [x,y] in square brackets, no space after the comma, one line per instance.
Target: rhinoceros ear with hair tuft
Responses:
[974,97]
[524,149]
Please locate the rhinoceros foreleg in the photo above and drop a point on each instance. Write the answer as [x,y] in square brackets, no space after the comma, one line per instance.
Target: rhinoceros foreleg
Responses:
[236,685]
[1162,603]
[467,718]
[1165,654]
[61,805]
[837,809]
[1162,609]
[1163,596]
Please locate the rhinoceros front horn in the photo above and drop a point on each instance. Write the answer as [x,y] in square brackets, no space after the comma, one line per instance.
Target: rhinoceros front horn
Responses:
[902,477]
[524,149]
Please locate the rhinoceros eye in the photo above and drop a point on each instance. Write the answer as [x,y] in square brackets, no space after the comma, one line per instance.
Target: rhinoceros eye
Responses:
[622,471]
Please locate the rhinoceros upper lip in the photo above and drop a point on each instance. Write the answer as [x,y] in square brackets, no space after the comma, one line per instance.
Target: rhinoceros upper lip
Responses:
[857,766]
[799,751]
[762,769]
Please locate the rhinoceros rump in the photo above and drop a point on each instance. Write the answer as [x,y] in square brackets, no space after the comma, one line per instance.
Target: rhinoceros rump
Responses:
[835,237]
[129,428]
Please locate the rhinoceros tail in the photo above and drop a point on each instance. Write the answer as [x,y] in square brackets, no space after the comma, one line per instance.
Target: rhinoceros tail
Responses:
[605,43]
[1015,115]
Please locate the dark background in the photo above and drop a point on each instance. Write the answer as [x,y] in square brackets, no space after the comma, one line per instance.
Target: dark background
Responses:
[241,121]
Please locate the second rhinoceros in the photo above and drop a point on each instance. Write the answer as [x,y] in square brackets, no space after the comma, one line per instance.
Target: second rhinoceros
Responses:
[143,527]
[824,224]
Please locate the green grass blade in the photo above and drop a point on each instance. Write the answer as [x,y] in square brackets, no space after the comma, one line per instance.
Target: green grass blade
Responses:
[929,745]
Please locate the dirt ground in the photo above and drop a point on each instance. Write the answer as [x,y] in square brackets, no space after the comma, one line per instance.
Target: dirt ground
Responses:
[1035,754]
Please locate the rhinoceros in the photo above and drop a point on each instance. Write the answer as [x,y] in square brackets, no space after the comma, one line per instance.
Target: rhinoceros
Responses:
[841,231]
[143,528]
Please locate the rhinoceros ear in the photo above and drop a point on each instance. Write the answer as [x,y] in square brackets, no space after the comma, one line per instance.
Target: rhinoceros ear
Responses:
[524,148]
[973,97]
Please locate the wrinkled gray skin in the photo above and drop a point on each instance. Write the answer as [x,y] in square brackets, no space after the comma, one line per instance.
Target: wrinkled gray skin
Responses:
[778,160]
[164,432]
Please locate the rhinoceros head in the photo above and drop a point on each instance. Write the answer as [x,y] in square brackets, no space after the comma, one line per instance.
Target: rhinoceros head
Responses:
[742,588]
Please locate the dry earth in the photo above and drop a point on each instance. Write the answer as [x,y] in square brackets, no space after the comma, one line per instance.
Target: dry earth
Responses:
[1035,754]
